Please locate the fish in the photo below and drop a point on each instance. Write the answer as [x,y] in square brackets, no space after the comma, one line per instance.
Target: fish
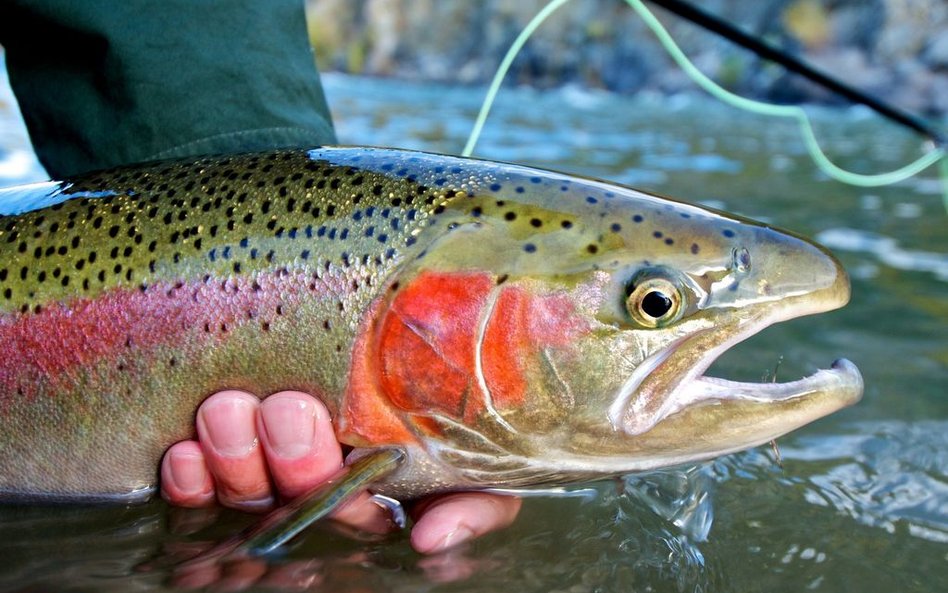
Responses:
[481,324]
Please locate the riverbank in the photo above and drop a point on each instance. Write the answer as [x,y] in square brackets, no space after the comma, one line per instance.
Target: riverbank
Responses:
[894,49]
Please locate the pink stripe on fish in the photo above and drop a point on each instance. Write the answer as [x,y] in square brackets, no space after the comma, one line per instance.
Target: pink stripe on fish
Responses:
[49,344]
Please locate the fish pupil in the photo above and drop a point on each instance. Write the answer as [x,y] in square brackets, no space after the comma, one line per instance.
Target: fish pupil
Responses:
[655,304]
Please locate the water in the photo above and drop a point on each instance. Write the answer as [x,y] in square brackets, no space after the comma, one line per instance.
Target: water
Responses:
[860,502]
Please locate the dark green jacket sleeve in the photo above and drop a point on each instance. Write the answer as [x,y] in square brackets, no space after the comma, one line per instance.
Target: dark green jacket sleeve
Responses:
[109,82]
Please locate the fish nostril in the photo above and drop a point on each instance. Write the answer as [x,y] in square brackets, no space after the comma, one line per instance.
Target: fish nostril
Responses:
[740,260]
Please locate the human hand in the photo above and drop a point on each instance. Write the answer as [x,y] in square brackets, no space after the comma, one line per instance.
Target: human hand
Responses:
[250,454]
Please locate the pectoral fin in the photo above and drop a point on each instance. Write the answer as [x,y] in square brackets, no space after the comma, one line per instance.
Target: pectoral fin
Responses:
[284,523]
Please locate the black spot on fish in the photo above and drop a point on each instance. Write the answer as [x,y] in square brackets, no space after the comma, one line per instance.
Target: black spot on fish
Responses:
[694,248]
[637,218]
[592,248]
[658,234]
[727,233]
[530,248]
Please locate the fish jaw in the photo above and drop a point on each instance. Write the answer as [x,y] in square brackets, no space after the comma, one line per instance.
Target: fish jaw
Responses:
[669,390]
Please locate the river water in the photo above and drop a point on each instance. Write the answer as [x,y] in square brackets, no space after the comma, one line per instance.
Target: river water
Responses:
[857,502]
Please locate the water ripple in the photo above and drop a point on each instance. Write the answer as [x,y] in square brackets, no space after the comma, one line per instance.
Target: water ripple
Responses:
[886,250]
[886,475]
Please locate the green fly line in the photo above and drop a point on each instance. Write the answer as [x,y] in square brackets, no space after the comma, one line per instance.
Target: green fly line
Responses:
[786,111]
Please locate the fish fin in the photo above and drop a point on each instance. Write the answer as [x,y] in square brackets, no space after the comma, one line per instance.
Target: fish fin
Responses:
[394,507]
[282,524]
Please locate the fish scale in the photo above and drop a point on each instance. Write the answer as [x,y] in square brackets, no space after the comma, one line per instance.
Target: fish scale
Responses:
[250,255]
[191,219]
[473,314]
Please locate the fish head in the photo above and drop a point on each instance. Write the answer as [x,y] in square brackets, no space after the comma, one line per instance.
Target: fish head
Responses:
[538,340]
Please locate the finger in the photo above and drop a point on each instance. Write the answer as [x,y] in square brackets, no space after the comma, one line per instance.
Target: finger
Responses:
[227,430]
[298,442]
[302,452]
[185,480]
[446,521]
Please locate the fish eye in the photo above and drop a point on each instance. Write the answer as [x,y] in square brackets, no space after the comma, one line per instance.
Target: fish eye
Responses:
[654,301]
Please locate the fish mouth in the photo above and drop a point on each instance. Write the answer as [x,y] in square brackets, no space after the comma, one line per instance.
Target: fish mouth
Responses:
[649,398]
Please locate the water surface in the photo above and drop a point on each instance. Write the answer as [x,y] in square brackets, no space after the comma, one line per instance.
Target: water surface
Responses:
[859,501]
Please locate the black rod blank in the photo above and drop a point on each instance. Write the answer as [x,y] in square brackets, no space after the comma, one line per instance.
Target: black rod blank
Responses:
[725,29]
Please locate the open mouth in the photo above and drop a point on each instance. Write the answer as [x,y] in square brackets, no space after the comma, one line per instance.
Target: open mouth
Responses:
[673,380]
[842,377]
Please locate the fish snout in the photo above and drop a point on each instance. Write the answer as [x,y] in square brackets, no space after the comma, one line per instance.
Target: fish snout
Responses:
[798,272]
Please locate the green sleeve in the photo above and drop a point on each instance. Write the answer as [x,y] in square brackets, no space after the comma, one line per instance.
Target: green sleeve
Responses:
[105,82]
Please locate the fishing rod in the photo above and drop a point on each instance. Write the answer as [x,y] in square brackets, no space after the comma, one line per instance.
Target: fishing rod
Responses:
[716,25]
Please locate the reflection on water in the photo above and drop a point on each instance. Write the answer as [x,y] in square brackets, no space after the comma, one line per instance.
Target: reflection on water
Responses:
[861,502]
[889,475]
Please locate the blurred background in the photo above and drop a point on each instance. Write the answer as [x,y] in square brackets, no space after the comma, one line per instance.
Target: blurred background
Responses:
[897,49]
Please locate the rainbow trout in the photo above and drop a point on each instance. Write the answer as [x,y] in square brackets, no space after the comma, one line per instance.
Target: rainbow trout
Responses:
[499,326]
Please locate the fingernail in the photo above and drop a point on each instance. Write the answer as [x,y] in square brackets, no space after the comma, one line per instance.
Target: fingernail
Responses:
[453,538]
[229,426]
[290,426]
[189,473]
